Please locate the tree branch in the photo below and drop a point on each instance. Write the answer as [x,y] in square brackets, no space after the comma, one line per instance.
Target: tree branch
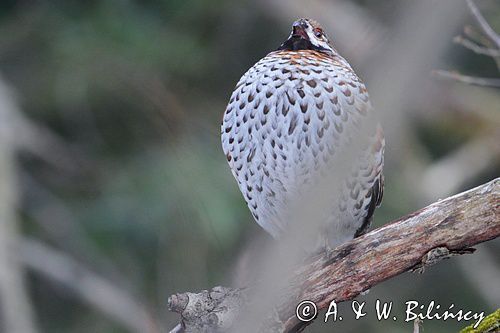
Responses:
[494,52]
[468,44]
[93,289]
[413,242]
[474,80]
[16,313]
[485,26]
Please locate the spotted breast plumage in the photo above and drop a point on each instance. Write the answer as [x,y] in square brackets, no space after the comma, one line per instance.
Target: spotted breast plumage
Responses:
[288,118]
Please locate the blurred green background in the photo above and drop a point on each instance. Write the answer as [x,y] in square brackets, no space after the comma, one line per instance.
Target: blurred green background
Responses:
[112,114]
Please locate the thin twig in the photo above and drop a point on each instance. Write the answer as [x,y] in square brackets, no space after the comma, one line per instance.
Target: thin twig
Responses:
[467,43]
[416,325]
[474,80]
[477,36]
[488,30]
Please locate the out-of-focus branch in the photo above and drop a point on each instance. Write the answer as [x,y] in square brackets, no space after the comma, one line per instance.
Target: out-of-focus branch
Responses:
[485,26]
[492,37]
[60,227]
[477,36]
[413,242]
[15,308]
[448,174]
[416,325]
[468,44]
[478,81]
[478,154]
[26,135]
[100,293]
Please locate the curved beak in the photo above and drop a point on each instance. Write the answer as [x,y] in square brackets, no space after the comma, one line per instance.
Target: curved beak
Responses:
[299,29]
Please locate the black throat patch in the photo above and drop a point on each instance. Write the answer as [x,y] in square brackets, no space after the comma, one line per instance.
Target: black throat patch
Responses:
[295,43]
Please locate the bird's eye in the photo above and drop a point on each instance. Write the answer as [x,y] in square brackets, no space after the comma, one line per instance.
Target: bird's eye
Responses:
[318,33]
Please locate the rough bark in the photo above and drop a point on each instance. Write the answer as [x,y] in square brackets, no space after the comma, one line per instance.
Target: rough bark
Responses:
[445,228]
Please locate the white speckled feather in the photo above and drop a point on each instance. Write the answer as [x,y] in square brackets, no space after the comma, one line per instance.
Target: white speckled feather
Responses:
[287,117]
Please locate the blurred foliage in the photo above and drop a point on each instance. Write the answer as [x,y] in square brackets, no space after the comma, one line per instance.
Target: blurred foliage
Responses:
[135,90]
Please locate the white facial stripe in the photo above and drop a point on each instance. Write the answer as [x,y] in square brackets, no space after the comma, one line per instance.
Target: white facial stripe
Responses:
[320,42]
